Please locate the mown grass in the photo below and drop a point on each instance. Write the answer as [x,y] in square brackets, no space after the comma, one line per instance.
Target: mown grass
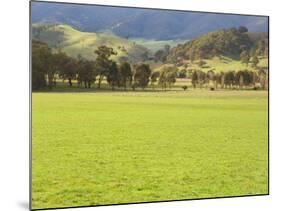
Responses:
[123,147]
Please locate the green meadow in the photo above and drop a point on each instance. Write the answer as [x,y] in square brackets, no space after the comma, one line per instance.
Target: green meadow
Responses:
[121,147]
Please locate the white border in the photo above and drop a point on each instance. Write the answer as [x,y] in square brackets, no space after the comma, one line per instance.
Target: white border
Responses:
[14,132]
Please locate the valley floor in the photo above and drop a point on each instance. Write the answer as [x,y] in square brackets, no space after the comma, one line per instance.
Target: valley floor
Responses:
[124,147]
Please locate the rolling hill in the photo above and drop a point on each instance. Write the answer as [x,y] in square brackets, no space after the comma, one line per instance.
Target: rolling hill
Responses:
[221,50]
[75,42]
[142,23]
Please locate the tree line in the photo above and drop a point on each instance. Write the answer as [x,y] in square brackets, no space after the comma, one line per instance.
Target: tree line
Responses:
[48,65]
[230,79]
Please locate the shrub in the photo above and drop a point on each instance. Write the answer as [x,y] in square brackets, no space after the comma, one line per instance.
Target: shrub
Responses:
[184,87]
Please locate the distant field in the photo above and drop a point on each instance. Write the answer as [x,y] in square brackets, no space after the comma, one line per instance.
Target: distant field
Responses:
[120,147]
[155,45]
[222,64]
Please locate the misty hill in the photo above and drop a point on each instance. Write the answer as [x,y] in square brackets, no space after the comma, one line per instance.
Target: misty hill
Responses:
[142,23]
[75,43]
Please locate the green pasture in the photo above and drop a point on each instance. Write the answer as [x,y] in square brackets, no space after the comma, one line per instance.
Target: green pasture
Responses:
[155,45]
[75,42]
[122,147]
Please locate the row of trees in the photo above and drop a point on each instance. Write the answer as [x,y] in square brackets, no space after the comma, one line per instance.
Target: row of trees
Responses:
[230,79]
[47,65]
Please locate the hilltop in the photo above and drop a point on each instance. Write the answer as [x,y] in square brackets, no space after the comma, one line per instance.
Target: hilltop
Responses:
[142,23]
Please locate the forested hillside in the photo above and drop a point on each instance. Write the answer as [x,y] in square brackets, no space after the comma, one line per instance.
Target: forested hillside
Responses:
[233,43]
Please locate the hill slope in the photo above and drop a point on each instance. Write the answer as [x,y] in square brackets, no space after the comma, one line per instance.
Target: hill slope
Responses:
[226,42]
[221,50]
[75,43]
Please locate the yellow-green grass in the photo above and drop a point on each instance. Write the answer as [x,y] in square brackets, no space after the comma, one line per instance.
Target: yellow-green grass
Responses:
[75,42]
[123,147]
[222,64]
[155,45]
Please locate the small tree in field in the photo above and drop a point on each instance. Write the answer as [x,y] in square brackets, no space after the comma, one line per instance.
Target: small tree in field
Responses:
[184,87]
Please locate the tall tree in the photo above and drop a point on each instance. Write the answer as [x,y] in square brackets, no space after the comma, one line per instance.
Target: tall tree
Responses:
[103,61]
[68,68]
[167,76]
[112,76]
[142,74]
[86,72]
[125,74]
[41,60]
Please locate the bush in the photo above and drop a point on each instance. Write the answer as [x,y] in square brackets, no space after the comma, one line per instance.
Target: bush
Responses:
[184,88]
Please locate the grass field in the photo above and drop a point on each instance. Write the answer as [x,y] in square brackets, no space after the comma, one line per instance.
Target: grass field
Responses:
[155,45]
[222,64]
[122,147]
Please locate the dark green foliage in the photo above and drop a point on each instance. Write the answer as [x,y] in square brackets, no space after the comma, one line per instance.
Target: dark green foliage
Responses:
[86,73]
[242,29]
[182,73]
[154,76]
[222,42]
[184,87]
[41,60]
[142,74]
[125,74]
[167,76]
[67,66]
[103,62]
[229,79]
[112,76]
